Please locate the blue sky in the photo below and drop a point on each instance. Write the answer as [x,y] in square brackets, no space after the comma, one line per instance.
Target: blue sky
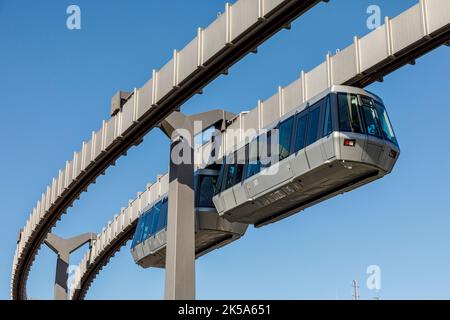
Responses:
[56,87]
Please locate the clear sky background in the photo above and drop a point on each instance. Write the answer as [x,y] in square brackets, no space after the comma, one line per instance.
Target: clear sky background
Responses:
[56,86]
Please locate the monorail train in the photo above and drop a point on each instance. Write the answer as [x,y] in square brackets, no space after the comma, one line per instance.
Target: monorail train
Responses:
[148,247]
[335,142]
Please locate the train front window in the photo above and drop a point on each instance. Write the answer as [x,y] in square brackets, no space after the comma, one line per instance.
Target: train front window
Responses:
[206,191]
[386,126]
[371,121]
[348,110]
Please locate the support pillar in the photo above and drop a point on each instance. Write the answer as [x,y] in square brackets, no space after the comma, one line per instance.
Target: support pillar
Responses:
[180,247]
[63,248]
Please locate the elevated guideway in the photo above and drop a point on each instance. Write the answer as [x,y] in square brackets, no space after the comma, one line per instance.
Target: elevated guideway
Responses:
[242,27]
[399,41]
[112,237]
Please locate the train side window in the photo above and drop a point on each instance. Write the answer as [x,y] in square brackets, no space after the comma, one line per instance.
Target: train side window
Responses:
[162,219]
[348,111]
[140,228]
[253,165]
[285,138]
[239,173]
[155,218]
[313,126]
[241,155]
[146,228]
[231,172]
[235,168]
[165,211]
[327,120]
[300,137]
[206,191]
[220,178]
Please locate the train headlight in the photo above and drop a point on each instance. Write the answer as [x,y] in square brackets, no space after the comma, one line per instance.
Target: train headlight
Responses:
[349,142]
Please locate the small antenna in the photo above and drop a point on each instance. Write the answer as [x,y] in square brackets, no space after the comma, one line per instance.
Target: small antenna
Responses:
[355,289]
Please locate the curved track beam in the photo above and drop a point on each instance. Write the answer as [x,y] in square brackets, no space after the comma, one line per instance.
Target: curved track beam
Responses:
[210,54]
[360,64]
[115,235]
[122,227]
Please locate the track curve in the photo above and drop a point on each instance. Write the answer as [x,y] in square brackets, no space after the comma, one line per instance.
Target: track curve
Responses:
[105,147]
[360,77]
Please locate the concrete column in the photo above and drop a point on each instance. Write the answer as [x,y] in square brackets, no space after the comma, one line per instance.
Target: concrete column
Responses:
[180,247]
[63,248]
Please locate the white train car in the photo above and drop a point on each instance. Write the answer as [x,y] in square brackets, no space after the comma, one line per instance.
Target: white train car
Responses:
[337,141]
[211,231]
